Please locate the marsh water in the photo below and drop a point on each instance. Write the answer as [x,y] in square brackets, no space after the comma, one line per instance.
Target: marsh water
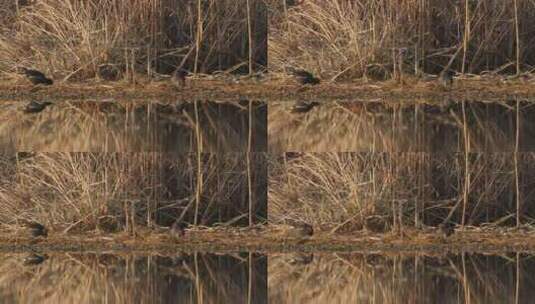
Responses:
[267,278]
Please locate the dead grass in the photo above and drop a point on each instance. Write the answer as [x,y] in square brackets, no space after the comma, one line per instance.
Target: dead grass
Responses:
[346,40]
[80,192]
[395,191]
[281,90]
[262,239]
[71,39]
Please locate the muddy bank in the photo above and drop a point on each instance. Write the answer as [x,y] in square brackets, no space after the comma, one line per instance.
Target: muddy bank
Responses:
[424,91]
[238,240]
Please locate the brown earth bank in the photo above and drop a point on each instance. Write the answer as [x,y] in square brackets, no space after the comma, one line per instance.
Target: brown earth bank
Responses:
[495,240]
[203,89]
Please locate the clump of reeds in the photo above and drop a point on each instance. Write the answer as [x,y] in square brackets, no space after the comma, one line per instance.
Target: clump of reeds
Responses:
[82,192]
[342,191]
[71,40]
[380,39]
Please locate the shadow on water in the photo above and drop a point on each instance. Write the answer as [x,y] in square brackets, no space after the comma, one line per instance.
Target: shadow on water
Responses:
[395,127]
[180,127]
[126,278]
[373,278]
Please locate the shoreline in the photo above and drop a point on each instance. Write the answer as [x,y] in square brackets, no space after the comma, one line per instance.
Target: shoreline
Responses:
[217,90]
[494,241]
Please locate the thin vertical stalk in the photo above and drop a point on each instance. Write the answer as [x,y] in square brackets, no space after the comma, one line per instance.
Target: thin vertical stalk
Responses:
[466,164]
[466,286]
[198,38]
[198,189]
[517,141]
[517,38]
[198,287]
[249,171]
[250,36]
[517,285]
[466,36]
[250,279]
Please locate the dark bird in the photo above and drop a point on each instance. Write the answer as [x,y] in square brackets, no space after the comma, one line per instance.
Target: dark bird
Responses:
[375,223]
[446,78]
[36,77]
[301,230]
[305,77]
[34,259]
[36,107]
[303,106]
[108,72]
[36,229]
[179,77]
[447,229]
[178,229]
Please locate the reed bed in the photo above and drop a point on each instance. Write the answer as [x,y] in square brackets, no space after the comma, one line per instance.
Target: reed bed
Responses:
[71,39]
[346,40]
[112,192]
[344,192]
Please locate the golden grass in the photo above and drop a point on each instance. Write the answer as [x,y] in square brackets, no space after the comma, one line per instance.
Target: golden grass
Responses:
[279,89]
[343,191]
[71,39]
[347,40]
[78,192]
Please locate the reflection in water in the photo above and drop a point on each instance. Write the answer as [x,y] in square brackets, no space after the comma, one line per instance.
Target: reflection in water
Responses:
[358,278]
[106,278]
[88,126]
[395,127]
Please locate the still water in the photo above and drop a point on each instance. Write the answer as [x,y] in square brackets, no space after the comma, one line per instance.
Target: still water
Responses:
[272,278]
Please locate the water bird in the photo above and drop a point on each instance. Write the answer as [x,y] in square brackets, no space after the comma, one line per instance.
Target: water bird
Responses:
[36,107]
[447,229]
[108,72]
[305,77]
[375,223]
[179,77]
[178,229]
[36,229]
[34,259]
[446,78]
[36,77]
[303,106]
[299,229]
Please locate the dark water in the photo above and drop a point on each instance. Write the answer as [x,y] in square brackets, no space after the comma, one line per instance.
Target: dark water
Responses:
[408,127]
[374,278]
[127,278]
[179,127]
[272,278]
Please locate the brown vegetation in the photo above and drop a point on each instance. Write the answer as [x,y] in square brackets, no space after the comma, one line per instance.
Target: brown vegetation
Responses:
[72,40]
[347,192]
[346,40]
[113,192]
